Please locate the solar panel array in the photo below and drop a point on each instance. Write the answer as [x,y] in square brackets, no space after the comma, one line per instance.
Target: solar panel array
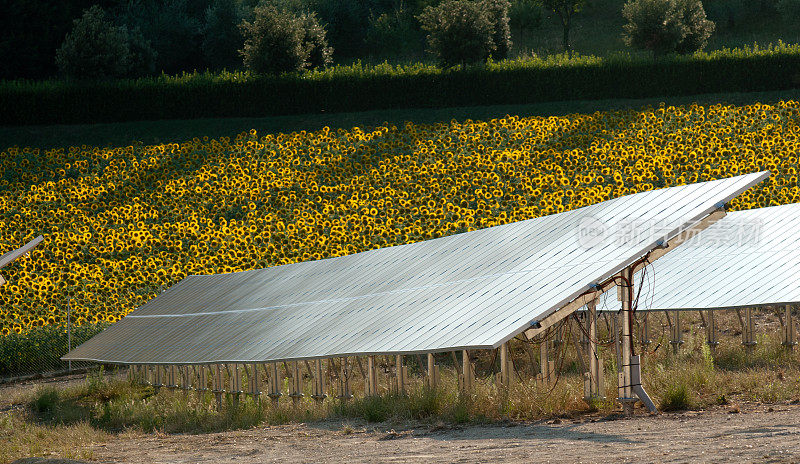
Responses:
[748,258]
[466,291]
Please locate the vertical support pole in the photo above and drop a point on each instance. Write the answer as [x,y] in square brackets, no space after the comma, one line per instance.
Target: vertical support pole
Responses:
[629,384]
[676,334]
[217,384]
[172,381]
[344,379]
[202,380]
[593,385]
[624,386]
[158,378]
[253,383]
[318,393]
[544,363]
[750,330]
[297,383]
[789,332]
[372,376]
[400,373]
[235,374]
[615,318]
[433,372]
[505,362]
[69,332]
[711,330]
[185,383]
[467,373]
[275,383]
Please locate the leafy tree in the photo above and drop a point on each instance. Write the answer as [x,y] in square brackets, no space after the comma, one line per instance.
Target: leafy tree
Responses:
[697,27]
[666,26]
[460,32]
[395,33]
[172,28]
[502,29]
[274,41]
[96,48]
[525,14]
[565,10]
[315,42]
[222,37]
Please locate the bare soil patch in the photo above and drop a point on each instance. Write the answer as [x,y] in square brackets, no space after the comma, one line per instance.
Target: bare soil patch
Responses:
[743,433]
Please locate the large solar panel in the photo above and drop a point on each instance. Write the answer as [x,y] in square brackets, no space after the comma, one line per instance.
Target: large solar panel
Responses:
[473,290]
[747,258]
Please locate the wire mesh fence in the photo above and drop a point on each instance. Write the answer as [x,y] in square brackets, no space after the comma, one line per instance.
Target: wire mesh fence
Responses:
[38,351]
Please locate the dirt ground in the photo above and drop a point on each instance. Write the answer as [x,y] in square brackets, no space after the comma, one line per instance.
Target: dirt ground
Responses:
[753,434]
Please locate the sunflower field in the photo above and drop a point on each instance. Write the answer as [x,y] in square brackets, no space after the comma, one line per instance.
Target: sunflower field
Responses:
[121,223]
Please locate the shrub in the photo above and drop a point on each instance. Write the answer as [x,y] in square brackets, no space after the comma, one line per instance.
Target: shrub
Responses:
[666,26]
[676,397]
[274,41]
[222,37]
[95,48]
[358,87]
[460,32]
[525,14]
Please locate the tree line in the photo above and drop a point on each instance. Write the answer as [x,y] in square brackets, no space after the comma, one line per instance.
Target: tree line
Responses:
[133,38]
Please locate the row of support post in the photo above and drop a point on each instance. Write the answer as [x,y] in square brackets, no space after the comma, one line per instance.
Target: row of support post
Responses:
[226,379]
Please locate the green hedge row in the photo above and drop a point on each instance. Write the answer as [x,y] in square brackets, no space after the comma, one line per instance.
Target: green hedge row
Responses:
[362,88]
[40,350]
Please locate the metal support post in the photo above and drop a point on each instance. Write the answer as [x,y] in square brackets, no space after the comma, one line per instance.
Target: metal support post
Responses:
[676,334]
[593,383]
[711,329]
[615,318]
[372,376]
[344,379]
[275,384]
[400,374]
[505,366]
[544,361]
[202,380]
[253,387]
[158,379]
[297,383]
[433,372]
[217,384]
[467,373]
[318,393]
[748,329]
[172,378]
[789,332]
[630,385]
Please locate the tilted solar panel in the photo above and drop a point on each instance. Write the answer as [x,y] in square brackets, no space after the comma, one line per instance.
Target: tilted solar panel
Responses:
[747,258]
[466,291]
